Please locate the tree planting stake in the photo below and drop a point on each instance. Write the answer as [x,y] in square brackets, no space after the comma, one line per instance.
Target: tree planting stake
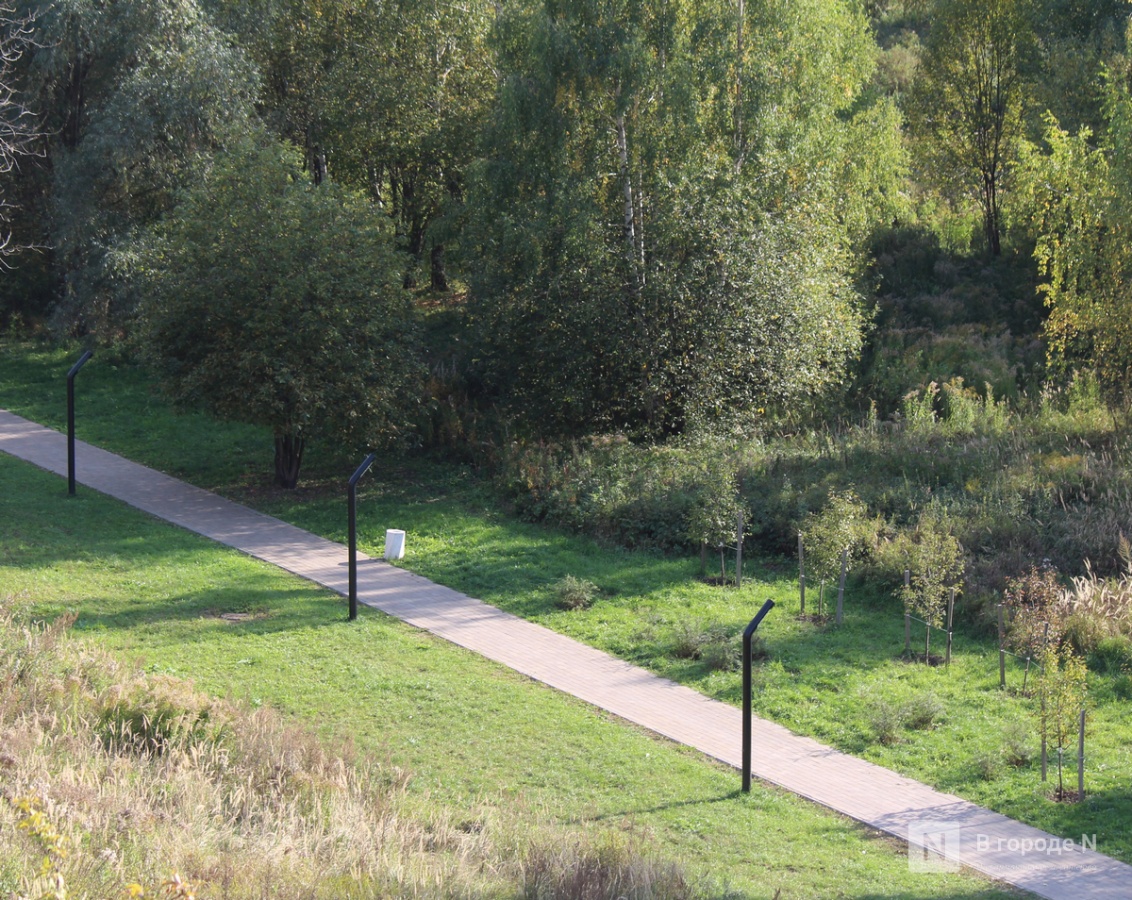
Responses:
[748,633]
[71,419]
[1002,653]
[801,575]
[950,618]
[739,552]
[1081,761]
[353,511]
[841,584]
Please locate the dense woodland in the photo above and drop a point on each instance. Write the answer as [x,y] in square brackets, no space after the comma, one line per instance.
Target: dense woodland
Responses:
[519,230]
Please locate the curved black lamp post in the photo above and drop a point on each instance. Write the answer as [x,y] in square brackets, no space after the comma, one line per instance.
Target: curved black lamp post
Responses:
[747,635]
[353,509]
[71,419]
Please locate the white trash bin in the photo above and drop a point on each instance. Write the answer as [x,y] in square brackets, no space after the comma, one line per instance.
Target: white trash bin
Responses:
[394,544]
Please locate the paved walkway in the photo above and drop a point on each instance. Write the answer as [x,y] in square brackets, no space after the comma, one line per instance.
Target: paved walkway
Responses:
[966,833]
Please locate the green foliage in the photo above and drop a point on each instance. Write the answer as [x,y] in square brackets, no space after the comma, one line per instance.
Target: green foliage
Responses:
[936,563]
[713,519]
[423,800]
[717,647]
[1062,694]
[889,718]
[841,525]
[1036,613]
[575,593]
[1112,655]
[1018,743]
[133,94]
[271,301]
[654,267]
[968,106]
[1077,199]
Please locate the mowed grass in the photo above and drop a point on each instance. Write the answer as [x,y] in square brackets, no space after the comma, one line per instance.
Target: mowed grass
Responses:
[471,733]
[847,686]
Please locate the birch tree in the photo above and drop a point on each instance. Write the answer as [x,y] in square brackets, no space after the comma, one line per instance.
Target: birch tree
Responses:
[658,247]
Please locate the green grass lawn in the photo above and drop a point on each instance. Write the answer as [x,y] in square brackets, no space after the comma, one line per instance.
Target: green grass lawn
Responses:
[844,686]
[473,735]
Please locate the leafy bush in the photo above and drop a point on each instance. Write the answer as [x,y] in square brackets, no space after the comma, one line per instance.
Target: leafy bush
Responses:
[922,711]
[1018,744]
[936,566]
[1033,602]
[886,719]
[688,640]
[841,526]
[575,593]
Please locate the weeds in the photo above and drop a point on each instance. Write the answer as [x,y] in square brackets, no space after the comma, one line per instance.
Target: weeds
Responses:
[1049,478]
[888,718]
[111,775]
[575,593]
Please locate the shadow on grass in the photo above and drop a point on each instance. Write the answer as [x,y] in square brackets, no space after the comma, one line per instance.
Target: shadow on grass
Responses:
[236,609]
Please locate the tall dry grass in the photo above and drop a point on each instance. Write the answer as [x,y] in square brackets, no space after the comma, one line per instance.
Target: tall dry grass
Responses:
[114,783]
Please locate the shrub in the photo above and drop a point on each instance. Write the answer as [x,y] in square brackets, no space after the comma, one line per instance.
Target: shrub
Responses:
[936,567]
[722,655]
[986,764]
[886,719]
[575,593]
[156,715]
[1122,687]
[1035,611]
[1112,655]
[1083,631]
[716,646]
[688,639]
[922,711]
[840,526]
[1018,744]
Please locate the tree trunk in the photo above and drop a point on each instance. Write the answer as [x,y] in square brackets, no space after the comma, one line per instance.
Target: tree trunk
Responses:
[288,459]
[630,218]
[316,160]
[439,275]
[737,109]
[75,101]
[990,214]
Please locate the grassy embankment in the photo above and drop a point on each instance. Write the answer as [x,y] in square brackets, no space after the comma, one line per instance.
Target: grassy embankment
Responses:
[847,686]
[471,781]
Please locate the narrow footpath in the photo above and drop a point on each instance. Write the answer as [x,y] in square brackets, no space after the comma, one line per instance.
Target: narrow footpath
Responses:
[967,834]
